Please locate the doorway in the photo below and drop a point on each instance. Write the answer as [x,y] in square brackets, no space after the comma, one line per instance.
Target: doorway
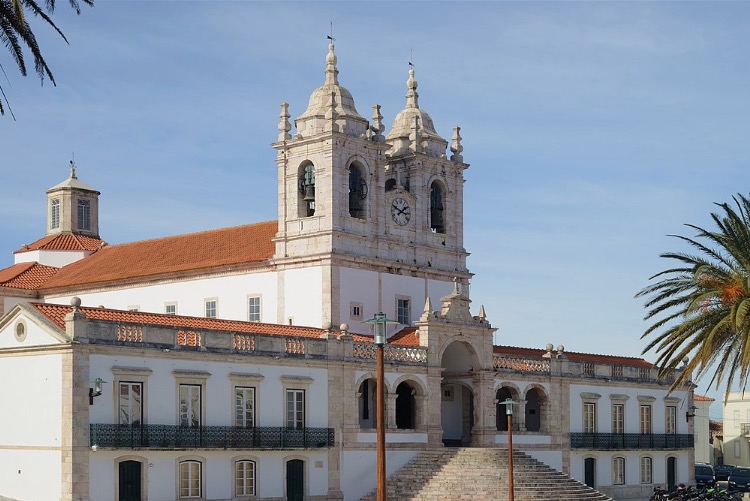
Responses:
[129,481]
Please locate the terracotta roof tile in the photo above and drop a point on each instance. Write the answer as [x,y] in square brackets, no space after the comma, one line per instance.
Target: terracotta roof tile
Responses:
[26,275]
[56,313]
[701,398]
[64,241]
[575,357]
[152,258]
[405,337]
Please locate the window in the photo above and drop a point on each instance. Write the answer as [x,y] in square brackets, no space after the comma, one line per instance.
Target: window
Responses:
[646,470]
[736,416]
[645,419]
[295,409]
[403,312]
[618,418]
[54,216]
[737,451]
[84,215]
[211,308]
[244,407]
[618,471]
[253,309]
[190,405]
[170,308]
[670,426]
[589,417]
[357,192]
[20,331]
[130,403]
[355,311]
[437,220]
[244,478]
[190,479]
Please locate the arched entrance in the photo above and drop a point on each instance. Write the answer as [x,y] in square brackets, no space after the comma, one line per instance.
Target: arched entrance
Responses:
[457,416]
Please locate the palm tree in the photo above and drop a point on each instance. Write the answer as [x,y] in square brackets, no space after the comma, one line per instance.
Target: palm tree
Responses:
[702,305]
[15,33]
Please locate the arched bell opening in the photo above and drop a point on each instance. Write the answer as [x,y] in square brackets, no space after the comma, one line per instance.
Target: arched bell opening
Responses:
[306,184]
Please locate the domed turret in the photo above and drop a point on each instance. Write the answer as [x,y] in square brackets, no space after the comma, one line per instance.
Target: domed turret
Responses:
[413,129]
[331,103]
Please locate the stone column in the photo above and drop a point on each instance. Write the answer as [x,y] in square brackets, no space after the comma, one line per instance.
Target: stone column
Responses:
[433,403]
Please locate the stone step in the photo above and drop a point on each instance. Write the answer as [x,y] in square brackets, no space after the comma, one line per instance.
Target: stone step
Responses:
[479,474]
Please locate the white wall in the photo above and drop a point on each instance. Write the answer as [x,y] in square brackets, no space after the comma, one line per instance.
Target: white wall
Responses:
[58,259]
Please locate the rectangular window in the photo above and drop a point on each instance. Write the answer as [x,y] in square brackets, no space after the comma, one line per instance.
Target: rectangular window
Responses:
[84,215]
[589,417]
[645,419]
[244,407]
[403,311]
[244,478]
[618,418]
[170,308]
[130,400]
[211,308]
[355,311]
[190,479]
[618,471]
[190,405]
[54,216]
[646,470]
[671,424]
[253,309]
[295,409]
[737,451]
[736,416]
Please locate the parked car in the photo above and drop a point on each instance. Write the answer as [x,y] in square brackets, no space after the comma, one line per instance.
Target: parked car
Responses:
[722,471]
[740,479]
[704,475]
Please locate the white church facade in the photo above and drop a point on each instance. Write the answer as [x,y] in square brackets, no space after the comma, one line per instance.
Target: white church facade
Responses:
[237,363]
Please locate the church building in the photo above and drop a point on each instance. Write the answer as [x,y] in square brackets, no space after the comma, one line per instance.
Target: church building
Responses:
[238,363]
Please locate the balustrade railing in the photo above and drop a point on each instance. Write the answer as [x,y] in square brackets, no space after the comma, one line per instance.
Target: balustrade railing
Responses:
[629,441]
[162,436]
[410,354]
[504,362]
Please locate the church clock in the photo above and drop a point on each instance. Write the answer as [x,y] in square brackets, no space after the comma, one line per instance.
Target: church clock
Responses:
[400,211]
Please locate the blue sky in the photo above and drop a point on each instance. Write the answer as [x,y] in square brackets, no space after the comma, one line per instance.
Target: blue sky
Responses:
[593,130]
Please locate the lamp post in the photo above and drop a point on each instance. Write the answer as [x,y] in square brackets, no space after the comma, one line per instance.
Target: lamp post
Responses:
[508,403]
[380,321]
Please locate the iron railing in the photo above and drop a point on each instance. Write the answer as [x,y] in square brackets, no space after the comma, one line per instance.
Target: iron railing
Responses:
[625,441]
[164,436]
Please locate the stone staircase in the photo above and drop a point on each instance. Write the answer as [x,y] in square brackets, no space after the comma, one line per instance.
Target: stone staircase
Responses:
[481,474]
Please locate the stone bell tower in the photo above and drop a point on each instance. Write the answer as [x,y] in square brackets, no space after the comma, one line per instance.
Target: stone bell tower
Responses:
[73,207]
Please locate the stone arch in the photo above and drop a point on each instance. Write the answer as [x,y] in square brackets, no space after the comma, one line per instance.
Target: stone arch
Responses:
[536,408]
[438,202]
[503,391]
[366,388]
[358,188]
[306,174]
[472,353]
[460,361]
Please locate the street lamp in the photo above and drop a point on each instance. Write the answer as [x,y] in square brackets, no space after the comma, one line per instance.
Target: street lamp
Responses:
[508,403]
[380,322]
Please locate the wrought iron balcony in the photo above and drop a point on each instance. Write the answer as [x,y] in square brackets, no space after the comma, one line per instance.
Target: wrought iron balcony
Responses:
[164,436]
[745,429]
[627,441]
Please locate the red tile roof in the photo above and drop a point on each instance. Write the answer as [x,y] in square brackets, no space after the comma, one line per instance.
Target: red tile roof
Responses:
[56,313]
[701,398]
[182,253]
[64,241]
[26,275]
[575,357]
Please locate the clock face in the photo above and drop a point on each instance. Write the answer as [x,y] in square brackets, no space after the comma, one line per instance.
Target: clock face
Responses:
[400,211]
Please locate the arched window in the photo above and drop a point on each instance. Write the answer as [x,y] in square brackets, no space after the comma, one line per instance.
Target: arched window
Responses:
[646,470]
[367,402]
[405,407]
[244,478]
[190,480]
[533,410]
[84,215]
[54,216]
[501,416]
[390,184]
[437,204]
[307,190]
[357,192]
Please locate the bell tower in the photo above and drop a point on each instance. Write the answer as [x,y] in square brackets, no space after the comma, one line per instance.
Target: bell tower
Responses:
[73,207]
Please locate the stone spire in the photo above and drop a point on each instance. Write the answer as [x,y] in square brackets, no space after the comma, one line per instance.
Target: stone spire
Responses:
[332,73]
[412,97]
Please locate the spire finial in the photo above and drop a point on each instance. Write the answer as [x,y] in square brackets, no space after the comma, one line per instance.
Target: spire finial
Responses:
[412,98]
[284,125]
[456,147]
[332,74]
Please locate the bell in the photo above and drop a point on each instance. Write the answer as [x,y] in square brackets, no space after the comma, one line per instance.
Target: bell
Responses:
[309,193]
[436,219]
